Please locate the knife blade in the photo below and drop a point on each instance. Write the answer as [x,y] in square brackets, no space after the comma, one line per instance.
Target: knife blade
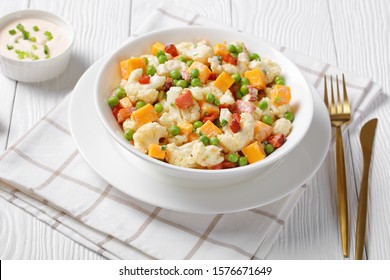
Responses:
[367,134]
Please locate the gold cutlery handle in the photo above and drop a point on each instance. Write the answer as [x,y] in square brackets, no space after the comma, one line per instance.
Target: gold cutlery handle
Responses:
[362,214]
[342,202]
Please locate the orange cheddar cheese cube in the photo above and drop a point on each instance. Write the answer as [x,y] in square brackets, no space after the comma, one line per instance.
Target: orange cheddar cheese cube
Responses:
[280,95]
[144,115]
[185,128]
[220,49]
[224,81]
[125,102]
[262,131]
[209,129]
[156,151]
[253,152]
[207,109]
[157,47]
[256,78]
[193,136]
[204,71]
[128,65]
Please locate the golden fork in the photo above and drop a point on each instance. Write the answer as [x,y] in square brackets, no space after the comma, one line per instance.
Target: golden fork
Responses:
[340,113]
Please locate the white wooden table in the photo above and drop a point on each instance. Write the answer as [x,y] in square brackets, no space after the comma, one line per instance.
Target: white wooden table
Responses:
[353,35]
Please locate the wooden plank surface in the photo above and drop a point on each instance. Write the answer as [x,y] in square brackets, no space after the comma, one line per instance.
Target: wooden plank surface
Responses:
[351,34]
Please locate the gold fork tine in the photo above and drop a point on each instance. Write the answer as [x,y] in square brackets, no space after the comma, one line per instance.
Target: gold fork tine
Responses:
[347,107]
[339,107]
[326,94]
[332,105]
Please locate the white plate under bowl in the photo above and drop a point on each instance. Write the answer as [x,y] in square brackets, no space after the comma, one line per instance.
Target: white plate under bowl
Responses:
[125,171]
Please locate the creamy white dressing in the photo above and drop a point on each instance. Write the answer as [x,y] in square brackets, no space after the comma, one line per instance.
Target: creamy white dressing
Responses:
[46,41]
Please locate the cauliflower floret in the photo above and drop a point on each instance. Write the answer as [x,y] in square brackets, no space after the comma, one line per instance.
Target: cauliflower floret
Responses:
[257,114]
[282,126]
[230,68]
[270,68]
[225,115]
[243,58]
[199,93]
[233,142]
[178,140]
[227,98]
[192,113]
[182,155]
[214,90]
[171,118]
[147,134]
[172,94]
[207,156]
[282,109]
[194,154]
[129,124]
[215,65]
[270,110]
[198,52]
[152,60]
[145,92]
[165,68]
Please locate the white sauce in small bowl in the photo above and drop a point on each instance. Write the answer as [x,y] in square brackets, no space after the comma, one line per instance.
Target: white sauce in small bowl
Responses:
[44,39]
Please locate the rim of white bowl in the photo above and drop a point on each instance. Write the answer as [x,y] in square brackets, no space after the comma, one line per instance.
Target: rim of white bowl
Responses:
[268,161]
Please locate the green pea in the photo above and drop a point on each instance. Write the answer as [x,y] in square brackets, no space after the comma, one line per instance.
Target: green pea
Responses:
[189,62]
[239,48]
[216,102]
[279,82]
[245,81]
[175,82]
[162,59]
[182,59]
[236,77]
[151,70]
[182,83]
[242,161]
[239,95]
[129,134]
[160,53]
[210,98]
[158,107]
[244,89]
[267,119]
[196,82]
[113,101]
[232,48]
[269,149]
[214,141]
[139,104]
[263,105]
[204,139]
[224,122]
[174,130]
[194,73]
[146,60]
[254,56]
[120,92]
[197,124]
[278,78]
[235,55]
[233,158]
[175,74]
[289,116]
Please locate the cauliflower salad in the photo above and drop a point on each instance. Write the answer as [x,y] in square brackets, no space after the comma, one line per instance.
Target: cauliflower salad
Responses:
[196,105]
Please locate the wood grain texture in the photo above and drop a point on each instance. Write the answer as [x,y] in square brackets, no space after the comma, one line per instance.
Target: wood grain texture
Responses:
[352,34]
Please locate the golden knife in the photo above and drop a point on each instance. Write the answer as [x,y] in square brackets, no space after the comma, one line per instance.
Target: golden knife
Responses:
[366,140]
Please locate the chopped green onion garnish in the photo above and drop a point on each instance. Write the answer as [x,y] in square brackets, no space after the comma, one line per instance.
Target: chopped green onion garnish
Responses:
[35,57]
[34,47]
[35,28]
[47,57]
[20,27]
[33,39]
[48,35]
[12,32]
[9,47]
[46,49]
[26,35]
[16,41]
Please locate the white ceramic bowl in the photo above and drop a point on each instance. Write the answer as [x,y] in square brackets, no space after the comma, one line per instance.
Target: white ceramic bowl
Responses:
[109,77]
[38,70]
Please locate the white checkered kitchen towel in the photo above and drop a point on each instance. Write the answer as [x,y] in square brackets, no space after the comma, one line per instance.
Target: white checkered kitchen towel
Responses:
[43,173]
